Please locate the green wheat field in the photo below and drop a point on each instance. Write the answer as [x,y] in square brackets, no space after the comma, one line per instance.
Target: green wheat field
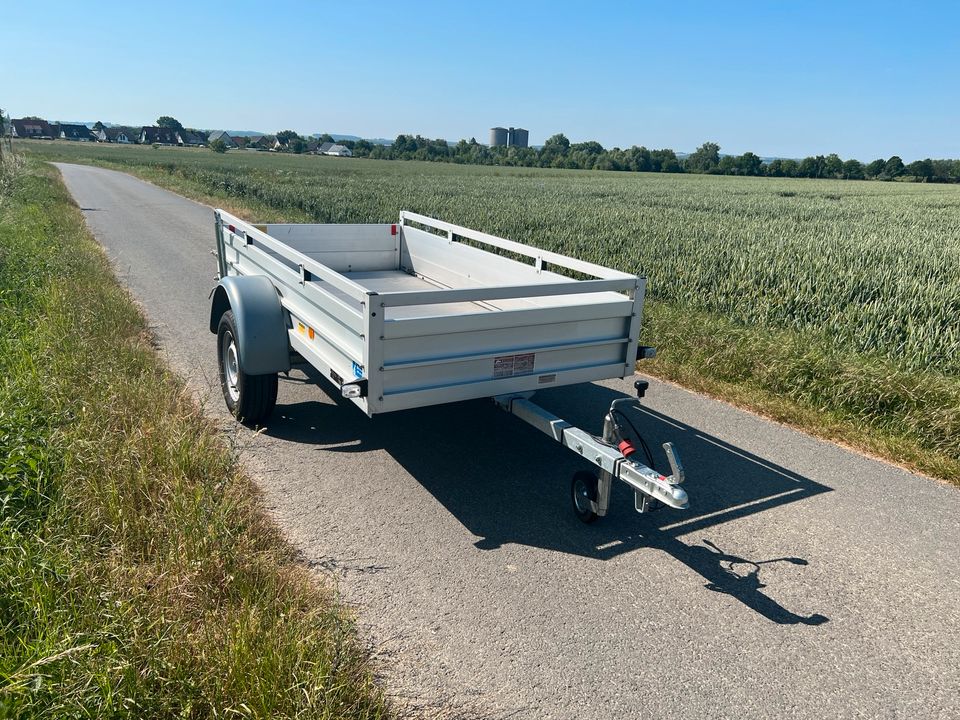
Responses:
[812,280]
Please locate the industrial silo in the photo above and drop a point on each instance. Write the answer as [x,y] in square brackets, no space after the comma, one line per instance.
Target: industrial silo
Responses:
[498,137]
[519,137]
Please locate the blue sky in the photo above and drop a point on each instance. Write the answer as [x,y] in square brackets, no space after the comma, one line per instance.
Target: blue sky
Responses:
[788,78]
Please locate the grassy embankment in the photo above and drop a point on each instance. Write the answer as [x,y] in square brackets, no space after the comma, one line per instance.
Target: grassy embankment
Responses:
[800,299]
[139,577]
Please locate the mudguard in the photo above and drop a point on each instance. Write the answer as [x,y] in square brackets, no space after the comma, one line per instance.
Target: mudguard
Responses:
[262,329]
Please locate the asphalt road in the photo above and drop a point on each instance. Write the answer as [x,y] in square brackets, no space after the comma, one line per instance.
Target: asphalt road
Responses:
[805,581]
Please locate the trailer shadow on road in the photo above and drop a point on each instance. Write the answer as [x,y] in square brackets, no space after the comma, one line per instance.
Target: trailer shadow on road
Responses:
[508,483]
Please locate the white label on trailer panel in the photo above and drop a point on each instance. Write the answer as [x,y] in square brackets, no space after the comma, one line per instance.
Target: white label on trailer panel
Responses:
[510,365]
[523,364]
[503,366]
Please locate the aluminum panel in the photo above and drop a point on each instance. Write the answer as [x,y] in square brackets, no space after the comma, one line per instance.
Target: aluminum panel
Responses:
[491,388]
[502,340]
[399,379]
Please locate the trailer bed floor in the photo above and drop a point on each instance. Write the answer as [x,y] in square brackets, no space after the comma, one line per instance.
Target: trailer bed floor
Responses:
[399,281]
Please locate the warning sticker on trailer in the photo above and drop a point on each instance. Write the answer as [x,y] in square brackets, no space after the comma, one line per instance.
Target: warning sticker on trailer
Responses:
[510,365]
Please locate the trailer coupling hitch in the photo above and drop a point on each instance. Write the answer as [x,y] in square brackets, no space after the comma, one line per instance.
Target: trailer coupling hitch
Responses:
[614,454]
[647,483]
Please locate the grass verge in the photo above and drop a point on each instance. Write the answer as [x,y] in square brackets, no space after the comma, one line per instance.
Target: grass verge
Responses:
[908,417]
[139,576]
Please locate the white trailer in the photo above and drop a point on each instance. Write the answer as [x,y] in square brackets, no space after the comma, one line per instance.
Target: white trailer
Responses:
[422,312]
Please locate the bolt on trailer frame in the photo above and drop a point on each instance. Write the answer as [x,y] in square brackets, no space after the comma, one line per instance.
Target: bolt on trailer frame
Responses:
[422,312]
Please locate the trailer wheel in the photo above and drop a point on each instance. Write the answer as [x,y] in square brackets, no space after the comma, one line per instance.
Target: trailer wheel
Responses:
[250,398]
[583,490]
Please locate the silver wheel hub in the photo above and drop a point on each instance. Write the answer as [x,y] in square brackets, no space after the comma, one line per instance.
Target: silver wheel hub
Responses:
[231,366]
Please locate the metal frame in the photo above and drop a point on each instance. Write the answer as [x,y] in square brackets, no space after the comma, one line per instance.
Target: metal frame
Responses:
[646,482]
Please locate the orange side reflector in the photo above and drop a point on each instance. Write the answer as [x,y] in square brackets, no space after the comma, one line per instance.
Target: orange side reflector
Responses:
[310,331]
[301,328]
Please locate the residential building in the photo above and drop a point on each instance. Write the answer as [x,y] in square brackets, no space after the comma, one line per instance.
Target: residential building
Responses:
[260,142]
[222,135]
[254,142]
[77,133]
[338,151]
[191,138]
[117,134]
[159,135]
[31,128]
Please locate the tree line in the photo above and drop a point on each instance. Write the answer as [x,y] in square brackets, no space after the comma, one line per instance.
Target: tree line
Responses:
[559,152]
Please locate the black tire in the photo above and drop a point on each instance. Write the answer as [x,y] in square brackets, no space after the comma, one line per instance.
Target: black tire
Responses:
[250,398]
[583,489]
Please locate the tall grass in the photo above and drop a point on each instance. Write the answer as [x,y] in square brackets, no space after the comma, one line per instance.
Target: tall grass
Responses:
[138,574]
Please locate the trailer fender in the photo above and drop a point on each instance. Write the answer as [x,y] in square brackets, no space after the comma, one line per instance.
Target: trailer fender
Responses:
[261,326]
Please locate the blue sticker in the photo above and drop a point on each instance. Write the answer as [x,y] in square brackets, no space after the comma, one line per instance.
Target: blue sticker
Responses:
[357,370]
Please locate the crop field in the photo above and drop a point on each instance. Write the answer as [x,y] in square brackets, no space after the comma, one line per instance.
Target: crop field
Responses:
[865,271]
[873,266]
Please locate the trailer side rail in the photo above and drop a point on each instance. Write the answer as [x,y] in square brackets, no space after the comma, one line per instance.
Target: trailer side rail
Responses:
[539,256]
[251,237]
[504,292]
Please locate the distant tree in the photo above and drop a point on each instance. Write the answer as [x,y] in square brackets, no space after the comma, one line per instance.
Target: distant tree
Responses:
[605,162]
[832,166]
[921,169]
[946,170]
[749,164]
[775,168]
[297,145]
[326,137]
[361,148]
[557,143]
[876,168]
[218,146]
[704,159]
[591,147]
[728,165]
[894,167]
[853,170]
[165,121]
[638,159]
[811,167]
[790,167]
[403,144]
[98,126]
[285,136]
[665,160]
